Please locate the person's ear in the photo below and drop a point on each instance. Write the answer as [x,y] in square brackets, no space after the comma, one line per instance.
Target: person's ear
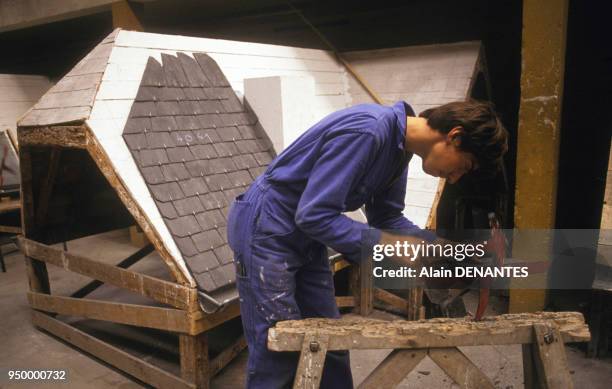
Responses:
[454,135]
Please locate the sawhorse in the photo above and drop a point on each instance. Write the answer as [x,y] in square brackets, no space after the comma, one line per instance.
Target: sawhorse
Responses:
[542,335]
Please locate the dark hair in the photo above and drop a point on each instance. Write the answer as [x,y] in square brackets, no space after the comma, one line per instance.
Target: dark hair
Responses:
[484,135]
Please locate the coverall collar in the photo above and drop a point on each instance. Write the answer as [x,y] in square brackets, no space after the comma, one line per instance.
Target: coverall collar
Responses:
[402,111]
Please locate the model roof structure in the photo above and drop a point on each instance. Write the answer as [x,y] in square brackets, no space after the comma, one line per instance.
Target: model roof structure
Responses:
[165,113]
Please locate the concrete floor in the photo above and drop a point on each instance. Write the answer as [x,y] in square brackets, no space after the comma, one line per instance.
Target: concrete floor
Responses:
[24,347]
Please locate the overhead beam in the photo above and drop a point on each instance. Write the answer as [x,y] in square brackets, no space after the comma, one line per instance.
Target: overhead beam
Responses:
[125,15]
[15,15]
[537,159]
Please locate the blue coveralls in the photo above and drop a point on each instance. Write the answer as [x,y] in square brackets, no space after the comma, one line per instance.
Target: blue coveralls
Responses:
[280,227]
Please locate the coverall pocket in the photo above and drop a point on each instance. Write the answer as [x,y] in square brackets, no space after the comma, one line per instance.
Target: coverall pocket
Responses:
[274,222]
[238,221]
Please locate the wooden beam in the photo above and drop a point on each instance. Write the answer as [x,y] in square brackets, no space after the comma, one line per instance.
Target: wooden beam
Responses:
[46,189]
[194,360]
[168,319]
[459,367]
[58,136]
[227,355]
[10,205]
[180,273]
[312,358]
[393,369]
[537,159]
[129,261]
[345,301]
[390,299]
[162,291]
[362,287]
[550,359]
[378,334]
[114,356]
[10,229]
[126,16]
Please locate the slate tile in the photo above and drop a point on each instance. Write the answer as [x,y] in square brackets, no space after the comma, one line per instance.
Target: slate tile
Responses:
[247,146]
[173,71]
[184,226]
[224,254]
[153,157]
[223,275]
[198,168]
[211,106]
[194,73]
[242,118]
[137,125]
[211,69]
[256,172]
[179,154]
[222,165]
[217,182]
[232,104]
[211,120]
[153,74]
[188,206]
[203,151]
[205,282]
[263,144]
[223,233]
[226,149]
[225,212]
[244,161]
[166,192]
[211,219]
[195,94]
[167,108]
[152,175]
[220,93]
[207,240]
[167,209]
[207,136]
[263,158]
[186,246]
[172,94]
[231,194]
[239,178]
[189,107]
[187,122]
[160,140]
[136,141]
[143,109]
[184,138]
[203,261]
[148,93]
[163,124]
[229,134]
[247,132]
[193,186]
[209,202]
[175,172]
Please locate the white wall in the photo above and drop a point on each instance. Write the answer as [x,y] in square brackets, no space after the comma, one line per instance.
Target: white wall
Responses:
[18,93]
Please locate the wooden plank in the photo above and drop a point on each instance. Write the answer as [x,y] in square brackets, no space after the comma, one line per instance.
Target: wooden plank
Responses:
[129,261]
[393,369]
[118,358]
[359,333]
[415,303]
[390,299]
[362,286]
[137,315]
[204,322]
[194,360]
[312,359]
[46,189]
[345,301]
[530,378]
[550,359]
[227,355]
[340,264]
[61,136]
[459,367]
[9,205]
[10,229]
[162,291]
[180,274]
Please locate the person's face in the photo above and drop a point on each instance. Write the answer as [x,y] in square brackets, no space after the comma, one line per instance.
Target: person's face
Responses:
[446,160]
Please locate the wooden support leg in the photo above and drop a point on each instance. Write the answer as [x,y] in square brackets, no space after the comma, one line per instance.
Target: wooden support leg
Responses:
[550,358]
[362,287]
[460,368]
[393,369]
[194,359]
[530,378]
[312,359]
[415,308]
[227,355]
